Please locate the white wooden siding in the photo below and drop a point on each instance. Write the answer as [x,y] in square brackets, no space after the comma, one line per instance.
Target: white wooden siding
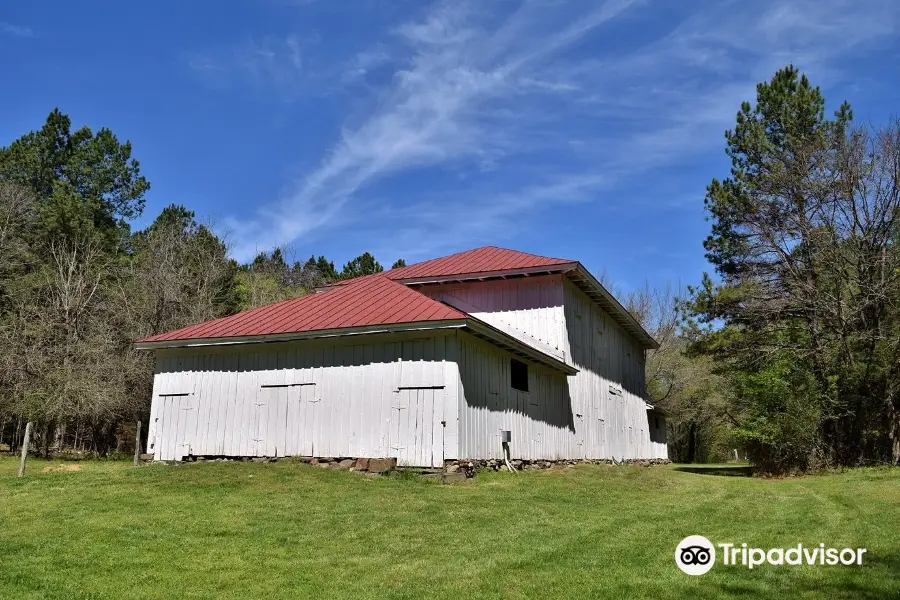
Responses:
[605,400]
[608,391]
[532,305]
[413,426]
[313,398]
[659,447]
[540,420]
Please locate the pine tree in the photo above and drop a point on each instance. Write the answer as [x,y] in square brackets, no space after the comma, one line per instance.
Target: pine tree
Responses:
[364,264]
[800,240]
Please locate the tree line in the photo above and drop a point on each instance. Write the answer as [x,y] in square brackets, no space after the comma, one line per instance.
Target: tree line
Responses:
[78,286]
[790,352]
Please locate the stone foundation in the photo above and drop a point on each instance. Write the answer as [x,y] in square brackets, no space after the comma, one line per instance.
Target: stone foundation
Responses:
[474,465]
[370,465]
[452,471]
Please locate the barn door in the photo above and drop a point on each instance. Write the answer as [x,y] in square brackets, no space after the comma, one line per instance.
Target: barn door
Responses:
[271,420]
[302,406]
[414,439]
[284,419]
[176,426]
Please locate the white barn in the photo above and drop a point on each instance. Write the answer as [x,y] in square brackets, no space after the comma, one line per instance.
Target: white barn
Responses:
[426,363]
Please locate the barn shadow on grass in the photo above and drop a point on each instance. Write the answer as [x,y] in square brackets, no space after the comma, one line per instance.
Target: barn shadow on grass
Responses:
[718,470]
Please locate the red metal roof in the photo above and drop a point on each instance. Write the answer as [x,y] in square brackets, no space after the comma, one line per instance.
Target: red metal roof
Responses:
[365,301]
[480,260]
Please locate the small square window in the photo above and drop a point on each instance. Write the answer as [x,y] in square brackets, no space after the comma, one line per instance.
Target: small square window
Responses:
[518,375]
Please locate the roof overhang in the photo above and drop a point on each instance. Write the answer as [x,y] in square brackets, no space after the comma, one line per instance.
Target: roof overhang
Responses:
[301,335]
[594,290]
[520,348]
[486,275]
[471,325]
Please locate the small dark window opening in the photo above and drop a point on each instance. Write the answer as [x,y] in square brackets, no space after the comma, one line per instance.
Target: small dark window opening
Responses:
[656,422]
[518,375]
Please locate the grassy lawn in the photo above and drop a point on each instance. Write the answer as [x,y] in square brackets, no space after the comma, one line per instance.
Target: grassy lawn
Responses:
[286,530]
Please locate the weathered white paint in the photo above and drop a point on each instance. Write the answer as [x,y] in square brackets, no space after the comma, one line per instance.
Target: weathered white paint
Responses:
[374,397]
[503,326]
[606,398]
[608,392]
[531,305]
[548,422]
[419,396]
[540,420]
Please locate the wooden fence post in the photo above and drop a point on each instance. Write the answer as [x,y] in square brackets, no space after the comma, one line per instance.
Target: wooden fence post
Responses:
[137,444]
[25,444]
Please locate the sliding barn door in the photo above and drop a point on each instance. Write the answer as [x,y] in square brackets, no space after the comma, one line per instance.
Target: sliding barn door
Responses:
[270,420]
[176,426]
[284,420]
[416,437]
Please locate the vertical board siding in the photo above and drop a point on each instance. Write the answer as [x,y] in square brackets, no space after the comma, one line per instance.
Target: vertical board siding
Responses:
[600,413]
[540,420]
[608,391]
[659,448]
[533,305]
[311,398]
[420,398]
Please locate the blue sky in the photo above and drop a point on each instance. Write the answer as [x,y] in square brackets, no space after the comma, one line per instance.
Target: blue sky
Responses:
[580,129]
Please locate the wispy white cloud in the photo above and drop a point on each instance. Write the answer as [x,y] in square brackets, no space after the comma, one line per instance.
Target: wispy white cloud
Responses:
[364,62]
[535,107]
[267,63]
[16,30]
[444,105]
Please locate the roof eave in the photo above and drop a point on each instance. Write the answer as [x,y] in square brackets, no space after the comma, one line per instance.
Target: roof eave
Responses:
[576,272]
[583,279]
[482,329]
[301,335]
[485,275]
[510,344]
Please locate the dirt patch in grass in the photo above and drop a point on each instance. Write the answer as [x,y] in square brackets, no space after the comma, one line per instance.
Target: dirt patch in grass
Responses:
[61,469]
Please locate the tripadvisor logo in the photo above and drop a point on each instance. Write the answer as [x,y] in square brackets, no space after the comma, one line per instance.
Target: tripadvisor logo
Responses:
[696,555]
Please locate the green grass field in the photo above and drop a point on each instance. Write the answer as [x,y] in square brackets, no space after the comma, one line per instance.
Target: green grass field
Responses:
[287,530]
